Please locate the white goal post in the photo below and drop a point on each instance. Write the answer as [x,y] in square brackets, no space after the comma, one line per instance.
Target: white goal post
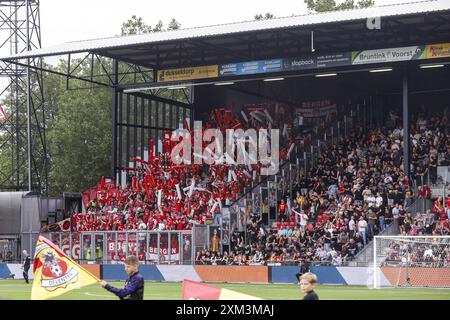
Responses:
[411,261]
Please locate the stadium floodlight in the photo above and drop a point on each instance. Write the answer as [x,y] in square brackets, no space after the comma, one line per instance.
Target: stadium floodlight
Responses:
[157,87]
[381,70]
[273,79]
[411,261]
[177,87]
[326,75]
[429,66]
[223,83]
[137,89]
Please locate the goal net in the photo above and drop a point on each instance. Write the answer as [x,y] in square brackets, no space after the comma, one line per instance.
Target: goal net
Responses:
[416,261]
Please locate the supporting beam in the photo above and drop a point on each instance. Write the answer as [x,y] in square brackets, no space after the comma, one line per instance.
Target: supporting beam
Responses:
[29,142]
[114,117]
[406,158]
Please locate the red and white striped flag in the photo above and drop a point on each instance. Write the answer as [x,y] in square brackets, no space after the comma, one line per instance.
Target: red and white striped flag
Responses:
[3,116]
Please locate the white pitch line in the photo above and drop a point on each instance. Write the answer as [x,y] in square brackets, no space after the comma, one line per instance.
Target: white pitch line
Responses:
[97,295]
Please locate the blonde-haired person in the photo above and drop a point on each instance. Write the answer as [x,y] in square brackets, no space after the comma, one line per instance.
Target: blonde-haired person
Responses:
[134,286]
[308,282]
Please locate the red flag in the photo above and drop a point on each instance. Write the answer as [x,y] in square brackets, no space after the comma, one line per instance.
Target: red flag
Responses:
[134,183]
[151,154]
[102,183]
[199,291]
[88,196]
[193,290]
[186,124]
[3,116]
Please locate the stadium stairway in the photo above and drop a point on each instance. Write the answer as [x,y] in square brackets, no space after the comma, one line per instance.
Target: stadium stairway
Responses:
[334,133]
[365,256]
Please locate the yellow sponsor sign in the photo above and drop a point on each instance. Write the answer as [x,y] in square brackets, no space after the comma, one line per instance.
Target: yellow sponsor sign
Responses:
[190,73]
[437,51]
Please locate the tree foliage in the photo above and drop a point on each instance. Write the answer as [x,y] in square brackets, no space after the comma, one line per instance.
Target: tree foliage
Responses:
[174,25]
[78,123]
[80,139]
[136,25]
[267,16]
[331,5]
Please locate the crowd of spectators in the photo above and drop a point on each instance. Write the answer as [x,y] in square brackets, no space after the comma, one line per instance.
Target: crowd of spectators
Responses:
[416,252]
[164,196]
[430,145]
[435,221]
[356,189]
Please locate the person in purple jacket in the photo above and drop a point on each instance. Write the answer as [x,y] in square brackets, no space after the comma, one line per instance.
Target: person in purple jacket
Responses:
[134,286]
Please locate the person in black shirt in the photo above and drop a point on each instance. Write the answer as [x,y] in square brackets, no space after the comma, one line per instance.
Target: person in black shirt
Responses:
[134,286]
[308,282]
[26,265]
[304,268]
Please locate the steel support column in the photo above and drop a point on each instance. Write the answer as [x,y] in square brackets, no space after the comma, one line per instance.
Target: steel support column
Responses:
[28,168]
[406,158]
[114,118]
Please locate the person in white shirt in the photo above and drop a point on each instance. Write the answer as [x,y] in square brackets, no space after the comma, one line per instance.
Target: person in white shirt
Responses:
[396,212]
[313,211]
[428,253]
[256,259]
[371,200]
[378,200]
[303,221]
[362,228]
[336,259]
[142,225]
[366,193]
[351,227]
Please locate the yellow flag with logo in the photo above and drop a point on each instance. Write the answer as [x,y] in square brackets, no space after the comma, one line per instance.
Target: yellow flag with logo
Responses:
[55,273]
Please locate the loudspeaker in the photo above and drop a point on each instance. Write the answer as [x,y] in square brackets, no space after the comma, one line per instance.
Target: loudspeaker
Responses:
[272,213]
[72,203]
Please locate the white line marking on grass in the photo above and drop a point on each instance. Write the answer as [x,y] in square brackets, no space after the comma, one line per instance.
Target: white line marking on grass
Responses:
[14,285]
[97,295]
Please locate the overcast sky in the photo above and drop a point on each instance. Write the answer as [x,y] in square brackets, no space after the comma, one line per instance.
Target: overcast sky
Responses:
[64,20]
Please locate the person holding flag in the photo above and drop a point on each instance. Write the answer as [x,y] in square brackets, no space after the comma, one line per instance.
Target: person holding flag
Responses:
[55,273]
[134,286]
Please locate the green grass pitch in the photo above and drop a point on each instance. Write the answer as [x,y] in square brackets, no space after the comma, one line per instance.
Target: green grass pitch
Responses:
[18,290]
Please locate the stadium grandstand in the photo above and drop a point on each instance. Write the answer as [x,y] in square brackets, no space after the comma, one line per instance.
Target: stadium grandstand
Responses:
[361,104]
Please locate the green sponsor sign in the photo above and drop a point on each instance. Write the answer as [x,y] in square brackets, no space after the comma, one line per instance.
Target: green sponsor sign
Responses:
[388,55]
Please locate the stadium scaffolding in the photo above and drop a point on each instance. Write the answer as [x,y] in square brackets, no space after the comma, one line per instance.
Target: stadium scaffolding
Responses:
[143,56]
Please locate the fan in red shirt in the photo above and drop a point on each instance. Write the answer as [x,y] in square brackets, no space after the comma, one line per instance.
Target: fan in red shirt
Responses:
[438,205]
[320,220]
[282,208]
[426,192]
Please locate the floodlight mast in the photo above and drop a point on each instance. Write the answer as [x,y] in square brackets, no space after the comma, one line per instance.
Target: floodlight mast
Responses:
[23,96]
